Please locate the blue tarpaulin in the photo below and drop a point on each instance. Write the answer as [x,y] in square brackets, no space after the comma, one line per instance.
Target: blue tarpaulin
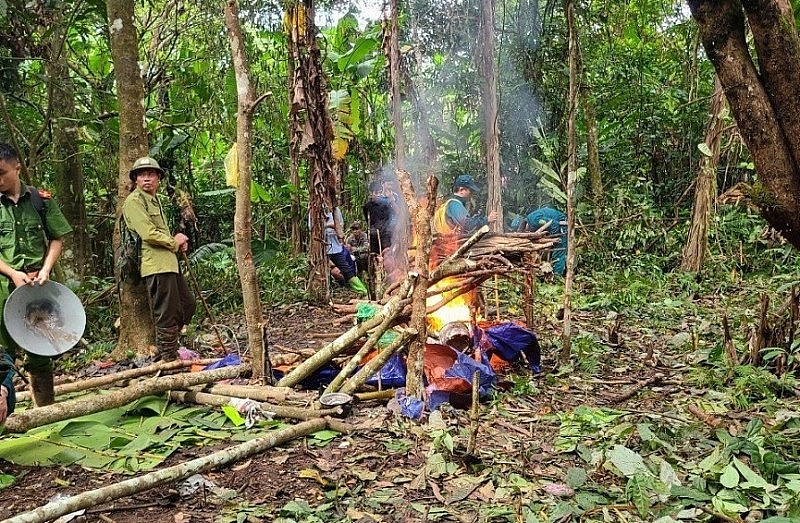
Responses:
[509,340]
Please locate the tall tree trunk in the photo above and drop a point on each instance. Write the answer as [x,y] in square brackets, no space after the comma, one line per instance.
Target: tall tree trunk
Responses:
[67,158]
[394,82]
[696,248]
[491,131]
[428,152]
[592,140]
[136,323]
[295,134]
[572,107]
[311,96]
[420,215]
[763,99]
[243,219]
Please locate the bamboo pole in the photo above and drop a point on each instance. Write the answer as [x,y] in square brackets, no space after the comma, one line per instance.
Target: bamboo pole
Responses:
[30,419]
[377,362]
[496,297]
[258,393]
[131,486]
[325,354]
[102,381]
[474,417]
[216,400]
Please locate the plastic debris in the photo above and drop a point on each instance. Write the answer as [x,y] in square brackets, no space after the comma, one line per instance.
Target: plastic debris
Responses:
[192,484]
[251,410]
[409,407]
[186,354]
[365,311]
[228,361]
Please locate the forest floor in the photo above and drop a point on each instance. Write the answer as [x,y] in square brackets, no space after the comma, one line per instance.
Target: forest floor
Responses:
[584,442]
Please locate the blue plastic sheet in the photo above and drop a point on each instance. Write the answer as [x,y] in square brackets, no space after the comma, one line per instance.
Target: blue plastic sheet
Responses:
[321,378]
[509,340]
[409,407]
[228,361]
[449,375]
[393,374]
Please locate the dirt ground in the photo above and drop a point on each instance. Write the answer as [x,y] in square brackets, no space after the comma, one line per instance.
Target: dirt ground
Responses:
[380,469]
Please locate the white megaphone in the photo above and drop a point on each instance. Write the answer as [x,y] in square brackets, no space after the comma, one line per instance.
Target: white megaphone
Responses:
[47,319]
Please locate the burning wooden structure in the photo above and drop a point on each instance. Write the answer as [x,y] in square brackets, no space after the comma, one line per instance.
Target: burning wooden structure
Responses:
[453,303]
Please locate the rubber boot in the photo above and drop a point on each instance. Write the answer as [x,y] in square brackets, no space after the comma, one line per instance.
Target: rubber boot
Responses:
[42,387]
[357,285]
[167,343]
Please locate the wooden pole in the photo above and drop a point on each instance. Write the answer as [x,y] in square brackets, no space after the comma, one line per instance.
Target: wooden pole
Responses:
[30,419]
[474,418]
[215,400]
[131,486]
[497,297]
[199,292]
[110,379]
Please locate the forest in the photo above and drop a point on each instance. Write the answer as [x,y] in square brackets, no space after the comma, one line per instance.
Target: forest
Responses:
[659,376]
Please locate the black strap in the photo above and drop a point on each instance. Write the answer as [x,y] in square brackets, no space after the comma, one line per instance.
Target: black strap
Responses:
[38,204]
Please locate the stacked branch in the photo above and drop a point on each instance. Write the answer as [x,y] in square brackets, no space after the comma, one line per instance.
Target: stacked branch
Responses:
[476,259]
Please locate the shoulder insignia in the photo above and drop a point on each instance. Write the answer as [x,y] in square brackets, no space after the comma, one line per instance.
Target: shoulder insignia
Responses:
[45,194]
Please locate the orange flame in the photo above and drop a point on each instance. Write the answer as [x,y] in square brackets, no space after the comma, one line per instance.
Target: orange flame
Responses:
[458,309]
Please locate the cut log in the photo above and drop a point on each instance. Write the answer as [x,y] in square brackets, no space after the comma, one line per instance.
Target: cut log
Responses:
[131,486]
[333,349]
[110,379]
[216,400]
[30,419]
[355,361]
[258,393]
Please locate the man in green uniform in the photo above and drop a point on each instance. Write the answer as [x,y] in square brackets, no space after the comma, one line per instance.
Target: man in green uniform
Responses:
[31,239]
[171,302]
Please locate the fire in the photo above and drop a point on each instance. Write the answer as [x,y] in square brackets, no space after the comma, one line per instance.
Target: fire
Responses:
[458,309]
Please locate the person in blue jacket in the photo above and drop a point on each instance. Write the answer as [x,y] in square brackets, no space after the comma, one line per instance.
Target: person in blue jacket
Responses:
[452,217]
[557,227]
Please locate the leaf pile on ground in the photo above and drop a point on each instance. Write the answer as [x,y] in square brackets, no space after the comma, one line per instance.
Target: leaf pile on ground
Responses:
[654,425]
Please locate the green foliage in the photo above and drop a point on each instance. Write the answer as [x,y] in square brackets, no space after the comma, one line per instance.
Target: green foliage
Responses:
[6,480]
[126,440]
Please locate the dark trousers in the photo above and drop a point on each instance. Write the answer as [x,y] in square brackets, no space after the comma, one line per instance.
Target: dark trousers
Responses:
[345,263]
[171,301]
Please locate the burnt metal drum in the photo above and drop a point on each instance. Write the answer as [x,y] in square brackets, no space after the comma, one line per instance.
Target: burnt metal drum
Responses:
[47,320]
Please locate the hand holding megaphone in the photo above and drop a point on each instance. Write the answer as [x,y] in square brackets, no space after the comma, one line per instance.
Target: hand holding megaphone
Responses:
[46,318]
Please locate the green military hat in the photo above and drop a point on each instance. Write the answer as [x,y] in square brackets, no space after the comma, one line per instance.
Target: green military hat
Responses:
[145,162]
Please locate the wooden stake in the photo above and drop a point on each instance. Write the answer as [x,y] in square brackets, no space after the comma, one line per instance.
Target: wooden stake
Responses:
[474,418]
[199,293]
[497,297]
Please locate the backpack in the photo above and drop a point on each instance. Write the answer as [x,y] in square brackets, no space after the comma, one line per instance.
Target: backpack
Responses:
[128,256]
